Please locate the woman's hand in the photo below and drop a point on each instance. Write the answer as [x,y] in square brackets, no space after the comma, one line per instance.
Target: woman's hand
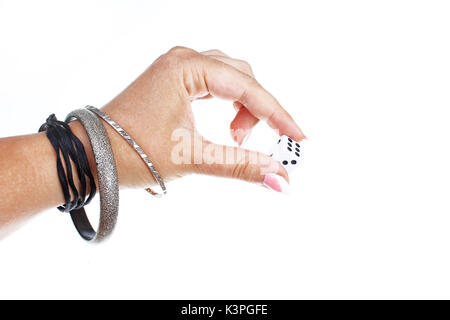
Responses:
[156,111]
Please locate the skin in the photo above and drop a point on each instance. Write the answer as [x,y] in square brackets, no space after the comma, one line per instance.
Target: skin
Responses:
[150,109]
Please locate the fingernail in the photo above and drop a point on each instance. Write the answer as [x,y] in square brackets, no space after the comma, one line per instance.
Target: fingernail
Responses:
[276,183]
[300,133]
[245,139]
[303,135]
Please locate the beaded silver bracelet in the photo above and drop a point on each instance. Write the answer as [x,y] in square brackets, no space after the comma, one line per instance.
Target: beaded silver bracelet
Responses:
[136,147]
[108,183]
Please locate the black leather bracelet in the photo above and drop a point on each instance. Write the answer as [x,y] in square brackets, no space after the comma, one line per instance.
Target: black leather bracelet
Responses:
[78,152]
[67,145]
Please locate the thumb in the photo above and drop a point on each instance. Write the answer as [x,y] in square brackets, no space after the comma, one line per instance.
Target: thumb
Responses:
[238,163]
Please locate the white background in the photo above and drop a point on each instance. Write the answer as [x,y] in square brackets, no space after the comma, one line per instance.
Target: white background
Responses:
[368,81]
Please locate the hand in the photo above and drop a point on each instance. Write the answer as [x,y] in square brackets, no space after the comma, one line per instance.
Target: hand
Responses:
[156,108]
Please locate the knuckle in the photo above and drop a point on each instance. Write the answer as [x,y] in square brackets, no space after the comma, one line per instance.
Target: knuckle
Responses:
[217,52]
[272,117]
[178,55]
[251,86]
[244,97]
[178,50]
[245,63]
[250,69]
[245,66]
[240,169]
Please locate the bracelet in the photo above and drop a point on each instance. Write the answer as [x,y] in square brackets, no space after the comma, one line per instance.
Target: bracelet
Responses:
[136,147]
[65,143]
[107,179]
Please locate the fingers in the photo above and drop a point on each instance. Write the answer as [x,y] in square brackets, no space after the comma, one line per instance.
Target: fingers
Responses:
[237,163]
[242,124]
[241,65]
[244,121]
[215,54]
[228,82]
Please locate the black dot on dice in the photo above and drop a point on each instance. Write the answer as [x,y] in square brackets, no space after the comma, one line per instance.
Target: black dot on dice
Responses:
[285,162]
[297,154]
[289,149]
[293,162]
[298,146]
[289,144]
[271,154]
[290,140]
[297,149]
[279,141]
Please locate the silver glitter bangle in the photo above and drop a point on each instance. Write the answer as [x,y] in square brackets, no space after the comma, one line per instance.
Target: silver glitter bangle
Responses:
[136,147]
[108,183]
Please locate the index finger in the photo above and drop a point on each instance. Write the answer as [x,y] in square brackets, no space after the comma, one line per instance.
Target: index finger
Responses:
[225,81]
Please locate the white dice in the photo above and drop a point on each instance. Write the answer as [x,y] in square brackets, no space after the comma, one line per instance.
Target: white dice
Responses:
[287,152]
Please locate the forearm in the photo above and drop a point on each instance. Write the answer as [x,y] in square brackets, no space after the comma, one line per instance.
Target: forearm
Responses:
[28,178]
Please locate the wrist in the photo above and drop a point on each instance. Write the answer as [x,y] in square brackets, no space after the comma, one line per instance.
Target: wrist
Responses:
[131,170]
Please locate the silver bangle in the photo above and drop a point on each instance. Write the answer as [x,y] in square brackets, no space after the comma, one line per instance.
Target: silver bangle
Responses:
[108,183]
[136,147]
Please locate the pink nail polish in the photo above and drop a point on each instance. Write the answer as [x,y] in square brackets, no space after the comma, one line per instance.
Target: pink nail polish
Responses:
[276,183]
